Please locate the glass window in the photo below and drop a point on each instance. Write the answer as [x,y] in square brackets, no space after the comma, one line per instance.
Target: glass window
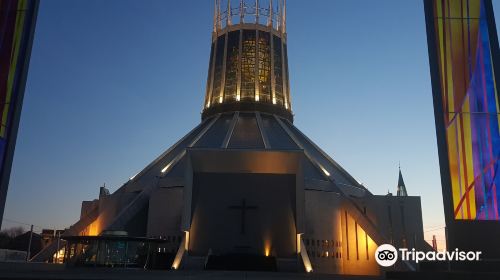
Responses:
[233,48]
[278,72]
[219,58]
[264,67]
[209,79]
[248,65]
[286,79]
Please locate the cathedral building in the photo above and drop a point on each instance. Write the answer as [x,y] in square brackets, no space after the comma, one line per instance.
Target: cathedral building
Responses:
[246,189]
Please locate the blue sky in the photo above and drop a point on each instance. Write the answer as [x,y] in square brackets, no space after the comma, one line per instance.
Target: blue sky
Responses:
[112,84]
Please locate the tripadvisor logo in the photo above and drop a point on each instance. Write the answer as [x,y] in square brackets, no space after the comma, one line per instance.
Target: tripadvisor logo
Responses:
[387,255]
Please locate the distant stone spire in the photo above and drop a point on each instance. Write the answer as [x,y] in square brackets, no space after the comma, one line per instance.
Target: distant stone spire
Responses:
[103,191]
[401,185]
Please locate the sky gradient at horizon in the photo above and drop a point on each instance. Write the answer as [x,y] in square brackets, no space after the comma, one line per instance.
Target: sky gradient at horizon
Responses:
[112,84]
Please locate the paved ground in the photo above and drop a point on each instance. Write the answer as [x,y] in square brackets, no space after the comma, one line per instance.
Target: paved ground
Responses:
[59,272]
[18,271]
[95,274]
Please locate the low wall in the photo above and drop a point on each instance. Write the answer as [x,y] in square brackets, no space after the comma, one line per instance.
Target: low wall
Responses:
[29,266]
[7,255]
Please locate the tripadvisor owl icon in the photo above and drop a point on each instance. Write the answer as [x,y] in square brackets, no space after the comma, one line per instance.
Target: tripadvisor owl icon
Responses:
[386,255]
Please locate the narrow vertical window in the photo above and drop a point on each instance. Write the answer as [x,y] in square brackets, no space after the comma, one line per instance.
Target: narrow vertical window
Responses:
[366,244]
[264,48]
[347,234]
[232,62]
[286,81]
[209,78]
[278,70]
[248,53]
[356,233]
[219,59]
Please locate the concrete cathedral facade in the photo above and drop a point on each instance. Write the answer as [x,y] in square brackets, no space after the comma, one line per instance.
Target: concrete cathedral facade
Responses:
[246,184]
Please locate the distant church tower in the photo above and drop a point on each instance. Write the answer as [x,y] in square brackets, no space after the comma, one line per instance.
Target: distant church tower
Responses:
[246,189]
[401,191]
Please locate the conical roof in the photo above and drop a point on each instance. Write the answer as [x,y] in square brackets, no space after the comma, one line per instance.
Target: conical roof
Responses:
[251,131]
